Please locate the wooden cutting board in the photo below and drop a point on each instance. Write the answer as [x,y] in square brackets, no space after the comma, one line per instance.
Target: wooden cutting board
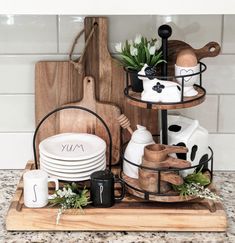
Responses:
[58,83]
[211,49]
[81,121]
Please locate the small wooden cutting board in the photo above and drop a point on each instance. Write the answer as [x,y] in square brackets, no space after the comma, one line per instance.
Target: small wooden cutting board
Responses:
[81,121]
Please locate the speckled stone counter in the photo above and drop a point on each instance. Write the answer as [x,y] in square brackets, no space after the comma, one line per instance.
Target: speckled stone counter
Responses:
[225,182]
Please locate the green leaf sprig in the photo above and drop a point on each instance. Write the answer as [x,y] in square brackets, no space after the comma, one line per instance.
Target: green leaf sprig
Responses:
[69,197]
[194,185]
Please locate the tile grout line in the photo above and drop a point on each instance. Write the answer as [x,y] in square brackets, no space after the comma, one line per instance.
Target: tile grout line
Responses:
[58,33]
[15,132]
[218,113]
[222,33]
[20,94]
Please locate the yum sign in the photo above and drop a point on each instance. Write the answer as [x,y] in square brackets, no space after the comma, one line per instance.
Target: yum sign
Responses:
[72,147]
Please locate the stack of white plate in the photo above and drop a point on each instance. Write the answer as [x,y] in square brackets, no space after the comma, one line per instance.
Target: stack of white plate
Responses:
[72,156]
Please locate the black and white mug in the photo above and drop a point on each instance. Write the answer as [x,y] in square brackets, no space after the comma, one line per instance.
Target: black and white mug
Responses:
[102,189]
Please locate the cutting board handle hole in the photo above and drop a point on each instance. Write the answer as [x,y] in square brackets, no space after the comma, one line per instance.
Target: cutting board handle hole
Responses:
[212,49]
[95,24]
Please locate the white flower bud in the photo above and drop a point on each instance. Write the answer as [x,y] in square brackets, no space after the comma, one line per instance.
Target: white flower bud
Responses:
[118,47]
[138,39]
[157,45]
[130,42]
[133,51]
[152,50]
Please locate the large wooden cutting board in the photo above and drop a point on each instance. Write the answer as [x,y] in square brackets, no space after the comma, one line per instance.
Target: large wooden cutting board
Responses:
[58,83]
[81,121]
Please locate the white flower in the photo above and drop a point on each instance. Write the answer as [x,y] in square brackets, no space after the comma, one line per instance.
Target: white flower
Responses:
[118,47]
[133,51]
[60,193]
[152,50]
[138,39]
[65,193]
[130,42]
[157,45]
[53,196]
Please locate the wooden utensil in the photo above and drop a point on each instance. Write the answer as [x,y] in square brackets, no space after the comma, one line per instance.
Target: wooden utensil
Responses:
[156,156]
[81,121]
[125,123]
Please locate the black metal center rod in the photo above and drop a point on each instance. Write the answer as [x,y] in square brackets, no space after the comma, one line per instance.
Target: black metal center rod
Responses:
[164,32]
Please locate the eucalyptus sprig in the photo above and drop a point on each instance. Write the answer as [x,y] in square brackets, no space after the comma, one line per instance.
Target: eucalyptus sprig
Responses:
[194,185]
[70,196]
[134,54]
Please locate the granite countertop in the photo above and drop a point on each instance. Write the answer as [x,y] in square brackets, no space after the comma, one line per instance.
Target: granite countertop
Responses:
[225,182]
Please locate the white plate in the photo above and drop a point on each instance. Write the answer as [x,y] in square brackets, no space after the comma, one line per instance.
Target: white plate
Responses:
[64,178]
[71,169]
[72,146]
[73,175]
[82,163]
[69,179]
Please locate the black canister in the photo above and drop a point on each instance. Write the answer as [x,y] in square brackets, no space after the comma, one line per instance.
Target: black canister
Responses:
[102,189]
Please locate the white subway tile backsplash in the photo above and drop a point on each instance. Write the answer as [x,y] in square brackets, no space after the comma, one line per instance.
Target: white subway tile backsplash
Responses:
[122,28]
[219,78]
[223,147]
[17,113]
[28,34]
[69,27]
[227,114]
[196,30]
[205,113]
[17,72]
[229,34]
[16,150]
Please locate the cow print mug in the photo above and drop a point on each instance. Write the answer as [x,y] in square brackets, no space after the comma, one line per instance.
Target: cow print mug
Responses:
[36,188]
[102,189]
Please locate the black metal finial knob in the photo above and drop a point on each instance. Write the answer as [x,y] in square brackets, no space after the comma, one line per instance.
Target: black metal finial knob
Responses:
[164,31]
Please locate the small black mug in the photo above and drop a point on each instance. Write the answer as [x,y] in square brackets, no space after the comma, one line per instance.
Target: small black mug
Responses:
[102,189]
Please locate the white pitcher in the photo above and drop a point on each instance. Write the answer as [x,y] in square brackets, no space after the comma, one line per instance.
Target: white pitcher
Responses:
[135,150]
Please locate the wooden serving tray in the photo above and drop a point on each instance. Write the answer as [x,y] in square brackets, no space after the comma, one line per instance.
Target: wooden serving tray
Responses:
[132,214]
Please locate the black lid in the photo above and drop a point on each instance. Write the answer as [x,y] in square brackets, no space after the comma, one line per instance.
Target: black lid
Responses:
[102,174]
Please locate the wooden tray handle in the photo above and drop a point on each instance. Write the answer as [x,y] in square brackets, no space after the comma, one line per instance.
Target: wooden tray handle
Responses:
[211,49]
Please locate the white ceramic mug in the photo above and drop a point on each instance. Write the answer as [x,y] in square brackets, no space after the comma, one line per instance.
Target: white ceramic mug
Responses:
[36,188]
[189,81]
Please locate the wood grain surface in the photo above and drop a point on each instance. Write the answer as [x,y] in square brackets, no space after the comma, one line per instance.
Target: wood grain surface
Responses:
[56,83]
[110,77]
[132,214]
[80,121]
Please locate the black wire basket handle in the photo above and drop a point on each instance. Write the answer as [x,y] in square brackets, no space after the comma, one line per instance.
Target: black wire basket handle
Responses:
[78,108]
